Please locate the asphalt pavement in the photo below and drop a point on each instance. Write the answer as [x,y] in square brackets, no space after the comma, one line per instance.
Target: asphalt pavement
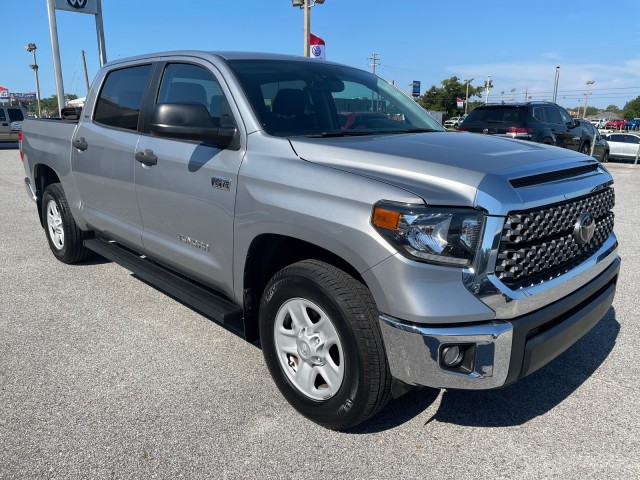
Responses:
[103,376]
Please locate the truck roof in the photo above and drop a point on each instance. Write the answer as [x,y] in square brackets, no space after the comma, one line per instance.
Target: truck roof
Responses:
[226,55]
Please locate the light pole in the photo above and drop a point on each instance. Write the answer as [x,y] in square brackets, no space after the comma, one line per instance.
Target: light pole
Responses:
[466,99]
[586,98]
[555,85]
[306,6]
[31,47]
[487,88]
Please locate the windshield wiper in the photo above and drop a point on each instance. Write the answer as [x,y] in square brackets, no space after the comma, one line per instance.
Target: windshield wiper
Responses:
[412,130]
[357,133]
[343,133]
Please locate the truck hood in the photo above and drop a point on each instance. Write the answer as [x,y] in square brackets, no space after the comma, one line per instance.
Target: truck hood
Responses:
[445,168]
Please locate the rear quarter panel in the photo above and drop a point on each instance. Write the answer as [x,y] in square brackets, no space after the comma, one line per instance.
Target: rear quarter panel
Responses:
[48,143]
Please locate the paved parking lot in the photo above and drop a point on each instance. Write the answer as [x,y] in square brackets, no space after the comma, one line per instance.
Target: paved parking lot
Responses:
[102,376]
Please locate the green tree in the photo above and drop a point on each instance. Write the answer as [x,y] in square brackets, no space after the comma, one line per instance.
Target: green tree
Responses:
[632,109]
[444,98]
[592,111]
[613,108]
[50,105]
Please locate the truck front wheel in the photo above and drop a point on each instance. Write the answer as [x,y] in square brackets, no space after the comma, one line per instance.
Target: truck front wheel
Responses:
[64,236]
[322,344]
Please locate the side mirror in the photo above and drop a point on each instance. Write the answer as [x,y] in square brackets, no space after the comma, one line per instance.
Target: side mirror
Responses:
[189,121]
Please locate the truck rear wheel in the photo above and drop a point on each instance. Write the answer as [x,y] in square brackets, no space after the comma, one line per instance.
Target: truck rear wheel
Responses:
[63,234]
[322,344]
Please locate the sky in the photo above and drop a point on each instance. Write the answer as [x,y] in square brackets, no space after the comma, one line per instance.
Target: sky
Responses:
[518,44]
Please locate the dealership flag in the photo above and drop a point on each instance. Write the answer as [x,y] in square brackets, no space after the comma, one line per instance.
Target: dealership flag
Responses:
[316,47]
[460,103]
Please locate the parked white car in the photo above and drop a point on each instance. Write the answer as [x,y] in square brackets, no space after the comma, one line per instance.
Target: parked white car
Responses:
[599,122]
[453,122]
[623,146]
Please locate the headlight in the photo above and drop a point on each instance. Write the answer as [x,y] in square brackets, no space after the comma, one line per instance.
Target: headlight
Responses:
[431,234]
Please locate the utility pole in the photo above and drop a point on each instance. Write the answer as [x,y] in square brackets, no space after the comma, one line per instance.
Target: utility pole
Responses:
[486,98]
[555,86]
[526,93]
[466,99]
[86,75]
[586,98]
[375,61]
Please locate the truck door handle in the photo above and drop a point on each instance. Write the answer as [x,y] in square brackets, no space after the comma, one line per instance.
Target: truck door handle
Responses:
[147,157]
[80,144]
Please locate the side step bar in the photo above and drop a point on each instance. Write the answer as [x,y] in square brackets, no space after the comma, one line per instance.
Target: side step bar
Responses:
[192,294]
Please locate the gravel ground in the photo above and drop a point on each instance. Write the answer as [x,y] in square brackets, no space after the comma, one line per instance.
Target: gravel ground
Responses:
[103,376]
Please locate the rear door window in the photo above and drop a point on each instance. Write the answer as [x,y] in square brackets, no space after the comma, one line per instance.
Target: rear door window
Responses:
[15,114]
[2,116]
[121,97]
[553,115]
[539,114]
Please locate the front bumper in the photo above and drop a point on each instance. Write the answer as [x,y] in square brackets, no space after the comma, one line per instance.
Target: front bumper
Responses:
[499,352]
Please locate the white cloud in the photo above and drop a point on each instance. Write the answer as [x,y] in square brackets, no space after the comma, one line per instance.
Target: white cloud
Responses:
[614,84]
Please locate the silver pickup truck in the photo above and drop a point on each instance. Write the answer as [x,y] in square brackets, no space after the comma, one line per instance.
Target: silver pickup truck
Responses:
[316,208]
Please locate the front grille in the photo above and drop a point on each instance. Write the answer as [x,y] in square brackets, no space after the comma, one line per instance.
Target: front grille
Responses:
[538,245]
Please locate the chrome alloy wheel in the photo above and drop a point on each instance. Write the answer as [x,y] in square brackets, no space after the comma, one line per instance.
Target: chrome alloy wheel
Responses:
[54,224]
[309,349]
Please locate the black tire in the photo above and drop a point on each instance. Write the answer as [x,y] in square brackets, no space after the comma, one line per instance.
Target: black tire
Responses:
[328,294]
[63,234]
[585,148]
[605,157]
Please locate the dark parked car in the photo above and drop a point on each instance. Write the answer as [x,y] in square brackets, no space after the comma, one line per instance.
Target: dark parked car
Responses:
[600,145]
[541,122]
[624,146]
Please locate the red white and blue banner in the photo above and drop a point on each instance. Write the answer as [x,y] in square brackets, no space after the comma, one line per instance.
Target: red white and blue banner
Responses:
[316,47]
[4,94]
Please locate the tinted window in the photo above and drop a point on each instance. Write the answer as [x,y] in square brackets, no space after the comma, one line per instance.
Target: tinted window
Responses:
[121,97]
[566,118]
[615,138]
[539,114]
[2,117]
[631,139]
[553,115]
[185,83]
[497,114]
[15,114]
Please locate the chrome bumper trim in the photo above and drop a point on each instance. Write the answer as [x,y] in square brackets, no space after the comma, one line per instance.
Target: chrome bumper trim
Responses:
[507,303]
[30,192]
[422,346]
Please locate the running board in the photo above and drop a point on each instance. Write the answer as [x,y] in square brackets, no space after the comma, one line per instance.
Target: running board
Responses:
[192,294]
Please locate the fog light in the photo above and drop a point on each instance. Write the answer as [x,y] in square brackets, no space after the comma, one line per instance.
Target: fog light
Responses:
[452,356]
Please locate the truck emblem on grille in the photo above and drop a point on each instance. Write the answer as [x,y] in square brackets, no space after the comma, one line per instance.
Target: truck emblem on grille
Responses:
[584,228]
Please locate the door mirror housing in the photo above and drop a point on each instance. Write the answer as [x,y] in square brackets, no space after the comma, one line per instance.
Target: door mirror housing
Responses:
[189,121]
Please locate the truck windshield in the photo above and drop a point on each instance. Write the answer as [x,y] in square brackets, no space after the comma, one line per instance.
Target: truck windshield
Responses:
[318,99]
